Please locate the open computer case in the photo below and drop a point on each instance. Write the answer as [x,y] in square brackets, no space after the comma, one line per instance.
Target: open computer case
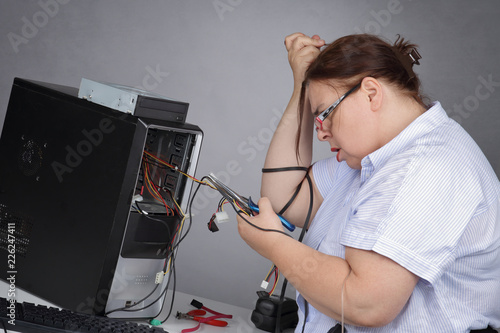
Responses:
[89,236]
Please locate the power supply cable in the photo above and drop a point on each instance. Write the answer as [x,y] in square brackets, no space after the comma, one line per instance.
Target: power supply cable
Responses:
[171,259]
[127,308]
[173,256]
[175,247]
[301,237]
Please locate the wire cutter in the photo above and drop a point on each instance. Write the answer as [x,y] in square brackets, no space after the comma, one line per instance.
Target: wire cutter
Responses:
[245,204]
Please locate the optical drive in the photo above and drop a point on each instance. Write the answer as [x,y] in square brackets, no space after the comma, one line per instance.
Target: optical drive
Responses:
[134,101]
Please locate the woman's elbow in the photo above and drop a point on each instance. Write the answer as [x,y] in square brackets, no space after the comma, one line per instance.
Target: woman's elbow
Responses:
[375,317]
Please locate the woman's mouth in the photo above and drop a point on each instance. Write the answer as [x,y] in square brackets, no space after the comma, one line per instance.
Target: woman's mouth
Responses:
[336,150]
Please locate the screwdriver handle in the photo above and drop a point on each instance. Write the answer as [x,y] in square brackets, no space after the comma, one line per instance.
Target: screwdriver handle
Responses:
[255,208]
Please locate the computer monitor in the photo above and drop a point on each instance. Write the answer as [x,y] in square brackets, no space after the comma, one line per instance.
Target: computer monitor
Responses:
[78,199]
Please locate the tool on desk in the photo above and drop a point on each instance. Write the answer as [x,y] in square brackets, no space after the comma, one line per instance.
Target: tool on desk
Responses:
[245,204]
[198,314]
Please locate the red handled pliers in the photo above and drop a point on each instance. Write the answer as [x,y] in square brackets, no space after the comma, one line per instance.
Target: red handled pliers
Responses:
[197,316]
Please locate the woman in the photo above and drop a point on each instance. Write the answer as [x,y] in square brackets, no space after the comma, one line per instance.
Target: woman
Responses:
[405,235]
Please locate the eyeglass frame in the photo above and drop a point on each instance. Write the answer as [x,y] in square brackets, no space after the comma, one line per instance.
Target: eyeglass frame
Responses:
[324,114]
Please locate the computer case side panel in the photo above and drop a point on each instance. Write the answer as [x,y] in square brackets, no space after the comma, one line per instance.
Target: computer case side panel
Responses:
[61,172]
[109,273]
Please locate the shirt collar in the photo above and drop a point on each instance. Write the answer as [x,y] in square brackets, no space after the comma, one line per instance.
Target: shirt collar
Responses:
[425,123]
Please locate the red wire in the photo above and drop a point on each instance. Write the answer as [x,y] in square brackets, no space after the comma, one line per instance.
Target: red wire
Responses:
[175,234]
[171,166]
[175,206]
[154,188]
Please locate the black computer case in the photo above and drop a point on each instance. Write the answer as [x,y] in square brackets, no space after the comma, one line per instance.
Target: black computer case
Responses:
[71,173]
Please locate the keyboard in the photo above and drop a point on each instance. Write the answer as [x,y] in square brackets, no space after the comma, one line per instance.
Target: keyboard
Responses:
[31,318]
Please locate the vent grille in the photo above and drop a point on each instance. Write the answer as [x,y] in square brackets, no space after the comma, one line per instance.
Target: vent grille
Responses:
[30,157]
[142,279]
[16,225]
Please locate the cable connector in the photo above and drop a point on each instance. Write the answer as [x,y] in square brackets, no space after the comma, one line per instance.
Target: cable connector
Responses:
[159,277]
[196,304]
[264,284]
[221,217]
[211,224]
[155,322]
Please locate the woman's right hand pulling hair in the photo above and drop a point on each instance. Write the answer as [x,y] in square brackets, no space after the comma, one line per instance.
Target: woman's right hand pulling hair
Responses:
[302,50]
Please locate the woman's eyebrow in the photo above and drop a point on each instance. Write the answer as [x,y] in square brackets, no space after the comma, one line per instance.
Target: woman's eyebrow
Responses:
[319,109]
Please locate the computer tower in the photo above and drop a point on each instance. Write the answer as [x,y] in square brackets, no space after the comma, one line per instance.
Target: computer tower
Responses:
[80,221]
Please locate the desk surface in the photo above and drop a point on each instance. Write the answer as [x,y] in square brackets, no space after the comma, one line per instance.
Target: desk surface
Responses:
[239,323]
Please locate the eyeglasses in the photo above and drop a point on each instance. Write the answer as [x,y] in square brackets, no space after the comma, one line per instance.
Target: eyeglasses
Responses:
[318,121]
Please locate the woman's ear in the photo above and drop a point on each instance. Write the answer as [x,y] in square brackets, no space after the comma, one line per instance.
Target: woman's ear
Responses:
[372,88]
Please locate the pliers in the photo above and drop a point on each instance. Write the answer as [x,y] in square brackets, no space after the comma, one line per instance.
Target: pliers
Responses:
[245,204]
[197,316]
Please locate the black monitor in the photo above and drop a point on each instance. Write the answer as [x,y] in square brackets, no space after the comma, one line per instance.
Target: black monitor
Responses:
[79,221]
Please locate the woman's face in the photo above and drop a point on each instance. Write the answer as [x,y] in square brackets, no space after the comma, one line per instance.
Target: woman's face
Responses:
[351,129]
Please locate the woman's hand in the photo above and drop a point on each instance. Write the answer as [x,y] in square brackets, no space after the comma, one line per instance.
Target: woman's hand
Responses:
[261,241]
[302,50]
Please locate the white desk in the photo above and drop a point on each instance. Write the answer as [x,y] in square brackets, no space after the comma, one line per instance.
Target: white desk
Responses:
[240,323]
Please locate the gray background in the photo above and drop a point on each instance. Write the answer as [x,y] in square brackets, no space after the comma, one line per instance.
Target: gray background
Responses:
[227,59]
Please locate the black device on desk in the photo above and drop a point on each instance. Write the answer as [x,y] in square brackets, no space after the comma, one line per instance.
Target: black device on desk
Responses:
[31,318]
[266,311]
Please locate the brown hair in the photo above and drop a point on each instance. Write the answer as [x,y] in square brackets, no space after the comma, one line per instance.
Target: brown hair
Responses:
[353,57]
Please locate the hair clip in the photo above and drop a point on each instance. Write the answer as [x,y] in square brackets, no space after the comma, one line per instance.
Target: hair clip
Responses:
[408,60]
[414,56]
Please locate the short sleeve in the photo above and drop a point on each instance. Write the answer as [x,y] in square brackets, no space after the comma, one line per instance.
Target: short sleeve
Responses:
[324,174]
[414,212]
[329,172]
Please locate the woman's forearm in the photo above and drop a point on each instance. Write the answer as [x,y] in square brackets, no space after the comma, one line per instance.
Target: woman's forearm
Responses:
[280,186]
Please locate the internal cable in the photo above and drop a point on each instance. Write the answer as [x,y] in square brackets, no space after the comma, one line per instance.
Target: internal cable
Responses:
[173,296]
[276,279]
[239,212]
[127,307]
[154,189]
[159,160]
[301,237]
[169,264]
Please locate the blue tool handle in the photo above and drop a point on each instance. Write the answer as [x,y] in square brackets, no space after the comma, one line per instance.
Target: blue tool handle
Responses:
[255,208]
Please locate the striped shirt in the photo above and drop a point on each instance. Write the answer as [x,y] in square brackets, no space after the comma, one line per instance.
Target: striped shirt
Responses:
[430,201]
